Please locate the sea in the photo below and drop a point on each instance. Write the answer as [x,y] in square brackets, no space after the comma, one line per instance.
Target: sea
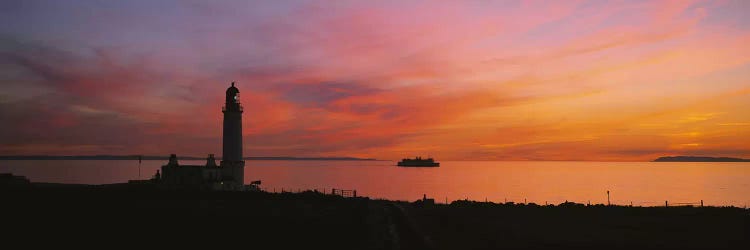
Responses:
[540,182]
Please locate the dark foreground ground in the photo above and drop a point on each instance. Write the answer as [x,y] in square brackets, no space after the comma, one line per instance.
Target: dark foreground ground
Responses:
[123,216]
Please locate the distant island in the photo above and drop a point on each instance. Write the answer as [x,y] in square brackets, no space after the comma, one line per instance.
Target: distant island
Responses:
[166,157]
[699,159]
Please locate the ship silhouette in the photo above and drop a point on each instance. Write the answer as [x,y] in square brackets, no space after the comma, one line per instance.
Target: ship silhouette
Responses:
[418,162]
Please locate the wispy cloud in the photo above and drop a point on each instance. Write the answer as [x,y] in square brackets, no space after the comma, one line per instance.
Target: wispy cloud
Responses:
[521,80]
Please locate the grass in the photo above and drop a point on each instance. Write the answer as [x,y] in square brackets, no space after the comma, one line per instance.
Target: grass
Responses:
[126,216]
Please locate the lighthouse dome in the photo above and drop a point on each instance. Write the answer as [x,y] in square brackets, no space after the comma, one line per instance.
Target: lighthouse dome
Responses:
[233,95]
[232,89]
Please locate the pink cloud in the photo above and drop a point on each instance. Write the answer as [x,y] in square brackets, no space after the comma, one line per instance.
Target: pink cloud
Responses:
[494,80]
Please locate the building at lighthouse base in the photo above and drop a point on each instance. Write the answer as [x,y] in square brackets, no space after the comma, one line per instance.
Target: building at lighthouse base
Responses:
[203,177]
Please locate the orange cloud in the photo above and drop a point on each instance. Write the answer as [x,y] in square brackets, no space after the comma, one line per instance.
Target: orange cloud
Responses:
[567,80]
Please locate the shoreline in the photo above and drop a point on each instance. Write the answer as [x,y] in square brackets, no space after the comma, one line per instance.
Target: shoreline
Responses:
[150,185]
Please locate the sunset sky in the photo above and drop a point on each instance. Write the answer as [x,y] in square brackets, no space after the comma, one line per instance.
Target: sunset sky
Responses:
[456,80]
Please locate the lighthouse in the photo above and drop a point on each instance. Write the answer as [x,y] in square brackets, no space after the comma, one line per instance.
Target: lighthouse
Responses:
[229,174]
[232,164]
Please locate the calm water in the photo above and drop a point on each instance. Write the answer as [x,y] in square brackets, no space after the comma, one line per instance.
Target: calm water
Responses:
[643,183]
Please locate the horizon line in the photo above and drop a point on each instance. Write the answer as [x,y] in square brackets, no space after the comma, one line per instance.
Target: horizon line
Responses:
[189,157]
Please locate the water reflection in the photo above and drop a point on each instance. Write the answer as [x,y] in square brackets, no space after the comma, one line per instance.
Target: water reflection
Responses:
[642,183]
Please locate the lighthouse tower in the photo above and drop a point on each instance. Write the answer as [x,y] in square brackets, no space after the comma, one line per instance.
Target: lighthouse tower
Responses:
[232,164]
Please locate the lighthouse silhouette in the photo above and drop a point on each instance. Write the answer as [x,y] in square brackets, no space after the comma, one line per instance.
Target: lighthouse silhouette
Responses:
[232,164]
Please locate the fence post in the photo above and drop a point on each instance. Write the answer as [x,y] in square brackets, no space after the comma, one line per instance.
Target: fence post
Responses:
[355,193]
[701,203]
[666,204]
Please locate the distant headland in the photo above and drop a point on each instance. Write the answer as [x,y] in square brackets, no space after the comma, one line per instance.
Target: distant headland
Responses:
[166,157]
[699,159]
